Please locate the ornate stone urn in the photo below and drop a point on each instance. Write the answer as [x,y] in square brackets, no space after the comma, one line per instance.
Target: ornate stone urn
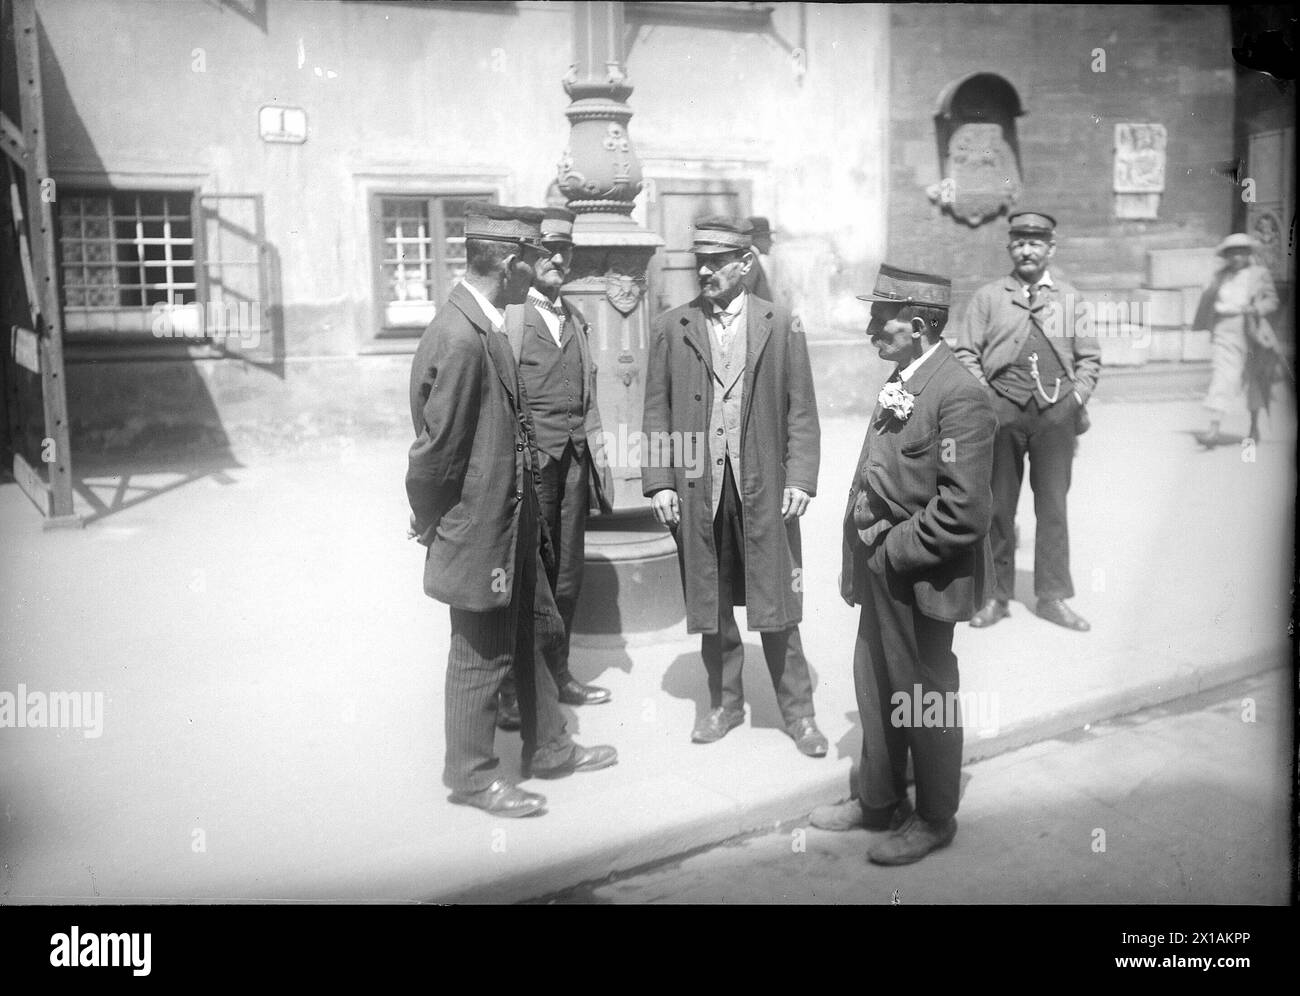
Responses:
[632,585]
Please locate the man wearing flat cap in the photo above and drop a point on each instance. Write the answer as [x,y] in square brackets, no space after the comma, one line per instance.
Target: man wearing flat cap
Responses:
[914,557]
[472,484]
[1019,336]
[548,337]
[728,374]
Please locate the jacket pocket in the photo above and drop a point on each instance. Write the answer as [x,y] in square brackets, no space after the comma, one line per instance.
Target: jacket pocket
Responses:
[917,447]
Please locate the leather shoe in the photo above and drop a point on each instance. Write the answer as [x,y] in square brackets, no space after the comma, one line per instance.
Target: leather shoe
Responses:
[1056,611]
[912,841]
[849,816]
[989,613]
[582,759]
[575,693]
[508,717]
[502,798]
[716,724]
[807,737]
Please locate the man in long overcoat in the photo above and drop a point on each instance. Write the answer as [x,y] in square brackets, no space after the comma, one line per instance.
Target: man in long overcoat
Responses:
[733,446]
[471,482]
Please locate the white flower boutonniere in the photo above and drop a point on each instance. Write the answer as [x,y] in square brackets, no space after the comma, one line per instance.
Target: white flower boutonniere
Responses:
[895,401]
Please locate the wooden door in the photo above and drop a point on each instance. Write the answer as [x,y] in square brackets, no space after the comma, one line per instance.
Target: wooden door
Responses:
[673,211]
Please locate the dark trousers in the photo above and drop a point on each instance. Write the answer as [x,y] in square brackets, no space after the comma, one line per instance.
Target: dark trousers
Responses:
[564,507]
[1046,436]
[897,650]
[486,647]
[723,652]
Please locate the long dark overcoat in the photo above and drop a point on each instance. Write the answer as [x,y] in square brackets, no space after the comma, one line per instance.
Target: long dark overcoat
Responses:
[465,471]
[780,446]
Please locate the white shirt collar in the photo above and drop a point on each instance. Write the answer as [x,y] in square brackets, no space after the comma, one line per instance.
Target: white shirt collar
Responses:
[911,367]
[1044,281]
[551,319]
[734,308]
[489,309]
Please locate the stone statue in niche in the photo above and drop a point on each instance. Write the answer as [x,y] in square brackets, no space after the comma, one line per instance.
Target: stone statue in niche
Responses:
[978,152]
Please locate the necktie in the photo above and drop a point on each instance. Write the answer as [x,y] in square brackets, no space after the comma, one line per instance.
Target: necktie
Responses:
[555,308]
[1032,290]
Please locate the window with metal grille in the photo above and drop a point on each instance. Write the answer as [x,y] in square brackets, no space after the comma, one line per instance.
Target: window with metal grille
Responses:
[122,252]
[420,246]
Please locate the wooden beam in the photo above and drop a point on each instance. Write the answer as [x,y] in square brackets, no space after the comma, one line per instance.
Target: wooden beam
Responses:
[45,258]
[11,140]
[30,481]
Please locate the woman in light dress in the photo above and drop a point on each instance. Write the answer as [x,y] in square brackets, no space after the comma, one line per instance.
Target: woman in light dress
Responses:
[1245,351]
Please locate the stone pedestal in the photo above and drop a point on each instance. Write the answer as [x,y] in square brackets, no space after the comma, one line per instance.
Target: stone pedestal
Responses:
[632,583]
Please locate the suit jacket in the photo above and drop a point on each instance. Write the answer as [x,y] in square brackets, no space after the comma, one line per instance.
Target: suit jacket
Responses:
[523,320]
[929,478]
[465,474]
[780,444]
[996,323]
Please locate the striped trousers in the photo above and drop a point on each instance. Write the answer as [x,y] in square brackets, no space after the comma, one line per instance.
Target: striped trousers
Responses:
[486,647]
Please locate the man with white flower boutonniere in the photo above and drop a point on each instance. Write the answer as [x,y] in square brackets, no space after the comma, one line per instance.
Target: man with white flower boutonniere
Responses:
[915,557]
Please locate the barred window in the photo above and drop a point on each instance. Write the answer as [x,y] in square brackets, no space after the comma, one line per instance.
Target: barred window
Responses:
[125,250]
[421,254]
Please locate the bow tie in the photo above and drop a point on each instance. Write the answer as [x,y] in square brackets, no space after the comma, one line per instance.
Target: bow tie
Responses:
[555,308]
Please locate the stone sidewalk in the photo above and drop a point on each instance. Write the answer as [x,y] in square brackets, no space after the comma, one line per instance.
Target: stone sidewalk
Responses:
[271,674]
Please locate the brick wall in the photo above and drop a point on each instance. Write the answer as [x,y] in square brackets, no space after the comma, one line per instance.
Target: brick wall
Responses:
[1170,65]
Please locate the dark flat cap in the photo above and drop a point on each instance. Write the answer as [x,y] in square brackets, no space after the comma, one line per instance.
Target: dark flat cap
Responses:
[502,223]
[1032,223]
[557,225]
[722,233]
[895,286]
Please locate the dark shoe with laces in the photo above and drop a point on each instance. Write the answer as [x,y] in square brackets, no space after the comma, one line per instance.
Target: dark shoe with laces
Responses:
[810,740]
[582,759]
[916,838]
[1054,610]
[849,816]
[575,693]
[716,724]
[508,717]
[502,798]
[990,612]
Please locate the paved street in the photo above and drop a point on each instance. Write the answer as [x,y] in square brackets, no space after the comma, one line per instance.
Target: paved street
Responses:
[1190,801]
[271,675]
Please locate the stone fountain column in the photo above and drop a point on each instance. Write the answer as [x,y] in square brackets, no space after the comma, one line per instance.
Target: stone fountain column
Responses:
[631,588]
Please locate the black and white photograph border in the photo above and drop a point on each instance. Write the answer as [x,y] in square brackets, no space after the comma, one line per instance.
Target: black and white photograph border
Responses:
[235,232]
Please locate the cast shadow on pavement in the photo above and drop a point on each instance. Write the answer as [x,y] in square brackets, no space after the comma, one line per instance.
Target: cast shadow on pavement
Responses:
[686,679]
[109,486]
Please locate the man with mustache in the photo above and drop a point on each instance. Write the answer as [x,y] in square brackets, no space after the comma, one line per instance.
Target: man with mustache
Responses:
[914,556]
[733,369]
[1018,337]
[548,336]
